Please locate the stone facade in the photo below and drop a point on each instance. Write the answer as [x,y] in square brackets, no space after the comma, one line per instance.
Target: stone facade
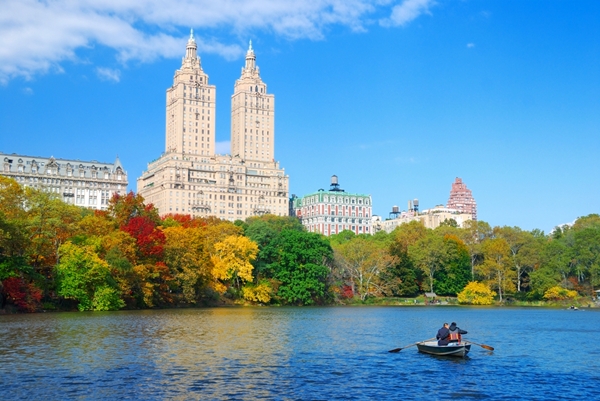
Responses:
[88,184]
[462,199]
[430,218]
[190,178]
[330,212]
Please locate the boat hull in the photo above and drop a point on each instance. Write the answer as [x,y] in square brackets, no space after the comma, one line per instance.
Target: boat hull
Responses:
[431,347]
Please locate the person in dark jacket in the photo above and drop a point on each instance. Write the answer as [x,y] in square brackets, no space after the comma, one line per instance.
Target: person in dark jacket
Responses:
[443,335]
[454,333]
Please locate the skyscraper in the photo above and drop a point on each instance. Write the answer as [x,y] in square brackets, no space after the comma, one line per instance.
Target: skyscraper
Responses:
[189,178]
[462,199]
[191,104]
[252,115]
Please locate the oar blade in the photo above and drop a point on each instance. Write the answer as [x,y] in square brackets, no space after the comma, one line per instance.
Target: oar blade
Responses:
[487,347]
[395,350]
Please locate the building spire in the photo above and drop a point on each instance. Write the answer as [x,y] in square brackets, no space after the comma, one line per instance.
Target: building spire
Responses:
[190,51]
[250,58]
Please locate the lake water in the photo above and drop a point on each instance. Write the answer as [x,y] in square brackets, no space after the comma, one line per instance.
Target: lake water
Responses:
[335,353]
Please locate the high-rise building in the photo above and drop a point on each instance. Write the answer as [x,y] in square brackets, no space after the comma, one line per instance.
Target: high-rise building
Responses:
[462,199]
[331,212]
[191,104]
[252,115]
[88,184]
[190,177]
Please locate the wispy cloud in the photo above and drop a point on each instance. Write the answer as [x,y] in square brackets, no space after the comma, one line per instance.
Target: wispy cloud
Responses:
[108,74]
[470,45]
[28,91]
[407,11]
[39,35]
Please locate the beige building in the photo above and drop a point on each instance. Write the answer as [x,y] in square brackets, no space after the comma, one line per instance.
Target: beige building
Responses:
[189,178]
[430,218]
[88,184]
[252,115]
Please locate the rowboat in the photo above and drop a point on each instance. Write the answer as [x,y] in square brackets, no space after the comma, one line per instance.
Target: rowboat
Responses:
[453,349]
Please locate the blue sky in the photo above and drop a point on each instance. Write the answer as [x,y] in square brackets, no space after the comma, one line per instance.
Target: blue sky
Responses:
[396,97]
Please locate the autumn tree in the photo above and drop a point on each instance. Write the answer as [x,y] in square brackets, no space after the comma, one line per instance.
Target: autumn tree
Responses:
[122,208]
[365,260]
[150,239]
[476,293]
[232,259]
[496,267]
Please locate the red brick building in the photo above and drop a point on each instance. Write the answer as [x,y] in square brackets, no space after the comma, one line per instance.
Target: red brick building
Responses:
[462,199]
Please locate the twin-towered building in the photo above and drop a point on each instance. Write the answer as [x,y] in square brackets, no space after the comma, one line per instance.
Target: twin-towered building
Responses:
[190,178]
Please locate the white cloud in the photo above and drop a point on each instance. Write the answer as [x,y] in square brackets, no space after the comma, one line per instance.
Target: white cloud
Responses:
[222,148]
[28,91]
[108,74]
[36,36]
[407,11]
[470,45]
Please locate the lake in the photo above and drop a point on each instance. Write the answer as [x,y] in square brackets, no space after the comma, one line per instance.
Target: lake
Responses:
[310,353]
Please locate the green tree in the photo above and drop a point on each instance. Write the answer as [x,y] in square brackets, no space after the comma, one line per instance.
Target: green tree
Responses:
[473,234]
[517,240]
[455,273]
[429,255]
[403,275]
[301,267]
[86,278]
[264,231]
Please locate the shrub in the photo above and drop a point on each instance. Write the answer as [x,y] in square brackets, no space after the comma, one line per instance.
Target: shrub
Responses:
[558,293]
[476,293]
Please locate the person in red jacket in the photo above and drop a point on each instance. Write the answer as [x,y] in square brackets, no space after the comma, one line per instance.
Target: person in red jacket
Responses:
[455,333]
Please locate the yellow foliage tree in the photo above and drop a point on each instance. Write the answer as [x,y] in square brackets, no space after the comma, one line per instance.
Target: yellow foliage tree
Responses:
[232,260]
[187,255]
[258,293]
[476,293]
[558,293]
[497,266]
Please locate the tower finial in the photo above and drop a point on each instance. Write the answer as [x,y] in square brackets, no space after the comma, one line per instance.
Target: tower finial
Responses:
[191,33]
[250,48]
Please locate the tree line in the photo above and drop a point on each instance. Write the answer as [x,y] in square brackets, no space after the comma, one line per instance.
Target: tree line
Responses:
[55,255]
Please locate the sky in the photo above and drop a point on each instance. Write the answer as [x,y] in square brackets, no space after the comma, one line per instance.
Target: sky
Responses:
[395,97]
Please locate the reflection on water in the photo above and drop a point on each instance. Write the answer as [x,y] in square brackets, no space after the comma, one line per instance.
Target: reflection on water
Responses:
[297,354]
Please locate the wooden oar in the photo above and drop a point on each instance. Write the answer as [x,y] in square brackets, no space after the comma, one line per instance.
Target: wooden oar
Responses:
[408,346]
[481,345]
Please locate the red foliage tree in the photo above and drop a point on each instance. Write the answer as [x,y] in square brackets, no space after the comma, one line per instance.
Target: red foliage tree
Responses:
[149,238]
[187,221]
[25,296]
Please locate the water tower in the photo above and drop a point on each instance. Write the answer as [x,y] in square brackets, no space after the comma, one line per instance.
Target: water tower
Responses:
[395,212]
[335,186]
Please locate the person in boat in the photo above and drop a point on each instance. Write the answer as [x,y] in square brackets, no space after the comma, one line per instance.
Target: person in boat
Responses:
[443,335]
[455,333]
